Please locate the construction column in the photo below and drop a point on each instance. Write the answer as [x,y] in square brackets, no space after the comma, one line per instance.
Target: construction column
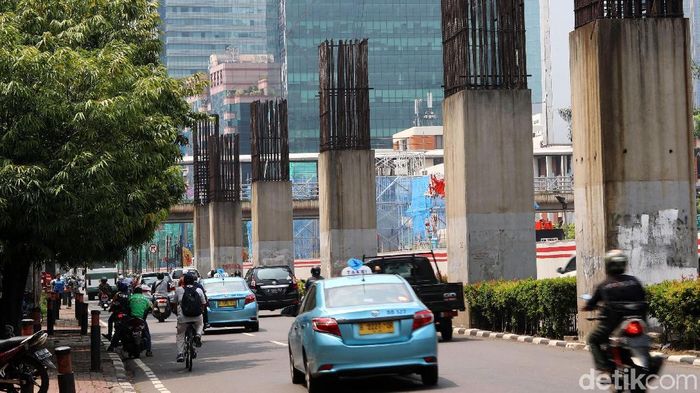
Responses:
[202,131]
[633,144]
[488,142]
[272,209]
[346,167]
[225,217]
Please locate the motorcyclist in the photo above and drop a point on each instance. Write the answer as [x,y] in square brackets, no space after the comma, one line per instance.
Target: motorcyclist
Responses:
[161,286]
[104,287]
[617,287]
[139,307]
[120,304]
[315,276]
[183,295]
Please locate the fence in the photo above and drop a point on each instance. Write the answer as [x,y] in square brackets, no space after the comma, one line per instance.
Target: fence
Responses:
[587,11]
[344,95]
[484,45]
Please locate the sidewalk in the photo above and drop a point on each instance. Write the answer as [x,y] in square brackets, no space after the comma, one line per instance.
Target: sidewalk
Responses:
[112,378]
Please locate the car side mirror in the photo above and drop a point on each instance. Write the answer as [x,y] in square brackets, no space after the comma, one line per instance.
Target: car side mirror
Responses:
[290,311]
[560,270]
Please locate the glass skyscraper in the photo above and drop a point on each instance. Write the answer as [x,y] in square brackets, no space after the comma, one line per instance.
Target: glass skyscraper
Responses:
[195,29]
[405,60]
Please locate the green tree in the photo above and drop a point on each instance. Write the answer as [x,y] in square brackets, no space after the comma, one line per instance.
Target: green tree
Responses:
[89,134]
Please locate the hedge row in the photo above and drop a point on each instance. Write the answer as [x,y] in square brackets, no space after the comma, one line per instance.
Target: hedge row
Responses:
[547,308]
[544,308]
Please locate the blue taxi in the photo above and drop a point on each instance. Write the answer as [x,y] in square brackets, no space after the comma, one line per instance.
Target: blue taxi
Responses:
[231,303]
[361,325]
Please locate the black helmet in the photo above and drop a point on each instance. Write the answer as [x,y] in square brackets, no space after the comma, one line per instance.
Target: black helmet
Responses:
[138,290]
[615,262]
[189,279]
[103,279]
[160,276]
[316,271]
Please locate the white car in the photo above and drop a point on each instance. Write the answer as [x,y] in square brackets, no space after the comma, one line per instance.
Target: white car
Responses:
[570,269]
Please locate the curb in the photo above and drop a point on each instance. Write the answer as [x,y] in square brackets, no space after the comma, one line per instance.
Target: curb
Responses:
[123,383]
[688,360]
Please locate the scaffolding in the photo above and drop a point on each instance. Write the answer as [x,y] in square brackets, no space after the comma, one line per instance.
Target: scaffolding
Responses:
[400,163]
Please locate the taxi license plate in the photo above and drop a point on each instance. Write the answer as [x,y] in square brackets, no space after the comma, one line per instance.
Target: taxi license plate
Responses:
[376,328]
[228,303]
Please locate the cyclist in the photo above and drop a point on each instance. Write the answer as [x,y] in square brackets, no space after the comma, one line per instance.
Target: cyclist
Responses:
[189,304]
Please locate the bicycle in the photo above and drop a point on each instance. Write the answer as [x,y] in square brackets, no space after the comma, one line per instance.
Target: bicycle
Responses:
[190,352]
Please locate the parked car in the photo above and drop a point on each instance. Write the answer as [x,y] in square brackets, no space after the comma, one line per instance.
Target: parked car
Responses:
[274,287]
[570,269]
[359,326]
[231,303]
[445,300]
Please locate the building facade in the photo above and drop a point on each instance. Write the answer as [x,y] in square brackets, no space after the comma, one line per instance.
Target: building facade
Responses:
[195,29]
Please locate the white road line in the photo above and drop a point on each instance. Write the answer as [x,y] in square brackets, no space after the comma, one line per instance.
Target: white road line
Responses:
[279,343]
[152,376]
[248,334]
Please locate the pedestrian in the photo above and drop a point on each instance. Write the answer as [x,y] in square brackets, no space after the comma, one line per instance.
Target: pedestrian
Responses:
[58,286]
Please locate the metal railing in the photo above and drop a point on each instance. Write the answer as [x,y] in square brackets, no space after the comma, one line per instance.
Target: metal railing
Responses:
[557,184]
[587,11]
[306,191]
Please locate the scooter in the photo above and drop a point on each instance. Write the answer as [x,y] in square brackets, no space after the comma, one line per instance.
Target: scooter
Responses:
[104,301]
[131,331]
[161,307]
[629,349]
[24,363]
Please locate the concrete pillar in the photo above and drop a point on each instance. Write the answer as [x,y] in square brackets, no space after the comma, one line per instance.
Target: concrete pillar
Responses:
[347,207]
[488,151]
[202,253]
[226,236]
[272,223]
[632,123]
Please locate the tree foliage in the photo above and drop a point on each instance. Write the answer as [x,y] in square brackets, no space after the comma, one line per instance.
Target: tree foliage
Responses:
[89,121]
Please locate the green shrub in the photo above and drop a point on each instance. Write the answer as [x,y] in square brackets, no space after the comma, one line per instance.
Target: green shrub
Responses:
[676,305]
[535,307]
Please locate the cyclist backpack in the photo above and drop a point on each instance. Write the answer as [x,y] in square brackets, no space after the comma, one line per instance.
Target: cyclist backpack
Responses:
[191,304]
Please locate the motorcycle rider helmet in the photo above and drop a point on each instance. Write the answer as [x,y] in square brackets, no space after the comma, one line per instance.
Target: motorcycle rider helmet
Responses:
[138,290]
[160,276]
[316,271]
[189,279]
[103,280]
[122,287]
[615,262]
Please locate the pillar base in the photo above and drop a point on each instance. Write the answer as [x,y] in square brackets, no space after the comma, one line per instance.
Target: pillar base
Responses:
[226,236]
[202,253]
[272,223]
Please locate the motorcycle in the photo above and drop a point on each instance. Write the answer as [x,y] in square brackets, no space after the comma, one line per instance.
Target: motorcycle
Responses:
[131,334]
[24,363]
[629,348]
[161,307]
[104,301]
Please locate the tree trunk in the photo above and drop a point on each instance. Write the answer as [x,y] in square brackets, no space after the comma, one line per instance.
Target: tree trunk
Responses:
[15,270]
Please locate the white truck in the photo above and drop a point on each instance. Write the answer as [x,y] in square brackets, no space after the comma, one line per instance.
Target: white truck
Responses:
[93,277]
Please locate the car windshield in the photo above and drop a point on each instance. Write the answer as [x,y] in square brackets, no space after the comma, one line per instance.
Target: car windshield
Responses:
[148,280]
[367,294]
[224,287]
[275,273]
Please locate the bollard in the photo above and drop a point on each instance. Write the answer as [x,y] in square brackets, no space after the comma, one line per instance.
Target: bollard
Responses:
[95,340]
[66,379]
[56,306]
[49,316]
[83,319]
[27,327]
[36,316]
[78,300]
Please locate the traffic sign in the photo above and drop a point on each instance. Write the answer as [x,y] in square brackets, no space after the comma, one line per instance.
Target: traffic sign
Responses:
[153,248]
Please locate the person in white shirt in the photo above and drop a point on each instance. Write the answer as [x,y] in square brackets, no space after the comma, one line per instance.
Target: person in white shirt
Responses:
[186,300]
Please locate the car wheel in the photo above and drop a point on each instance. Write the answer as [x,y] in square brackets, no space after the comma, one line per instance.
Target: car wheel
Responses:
[255,327]
[313,384]
[297,376]
[446,329]
[429,376]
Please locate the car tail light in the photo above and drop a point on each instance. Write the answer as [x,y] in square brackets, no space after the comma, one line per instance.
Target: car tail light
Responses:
[252,284]
[422,318]
[249,299]
[430,359]
[325,367]
[326,325]
[633,329]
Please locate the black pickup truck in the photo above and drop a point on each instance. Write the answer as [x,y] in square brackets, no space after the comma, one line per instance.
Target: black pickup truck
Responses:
[443,299]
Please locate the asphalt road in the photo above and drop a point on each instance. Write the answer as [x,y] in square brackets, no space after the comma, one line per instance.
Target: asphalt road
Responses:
[233,361]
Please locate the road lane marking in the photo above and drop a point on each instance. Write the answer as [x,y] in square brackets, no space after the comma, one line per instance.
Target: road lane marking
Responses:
[152,376]
[279,343]
[248,334]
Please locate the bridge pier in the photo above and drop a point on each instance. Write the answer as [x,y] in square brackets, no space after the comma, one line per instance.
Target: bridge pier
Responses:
[272,216]
[226,236]
[633,147]
[202,242]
